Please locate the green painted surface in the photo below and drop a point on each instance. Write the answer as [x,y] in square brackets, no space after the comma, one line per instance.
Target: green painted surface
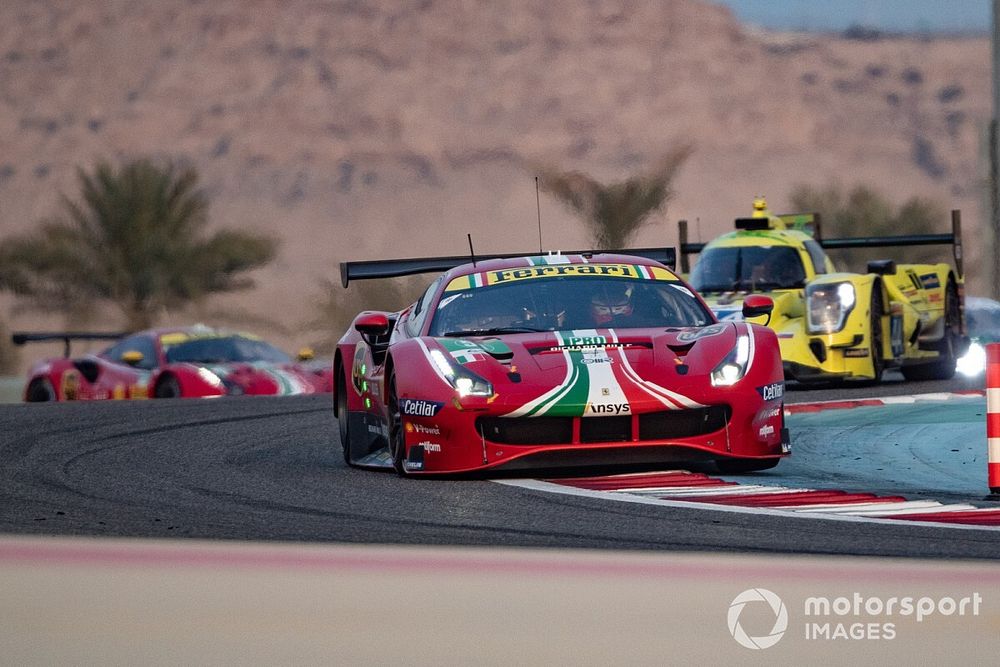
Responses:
[10,389]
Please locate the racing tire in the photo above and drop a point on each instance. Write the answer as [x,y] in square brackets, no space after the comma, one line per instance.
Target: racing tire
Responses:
[167,387]
[40,391]
[876,335]
[738,466]
[944,367]
[342,420]
[397,437]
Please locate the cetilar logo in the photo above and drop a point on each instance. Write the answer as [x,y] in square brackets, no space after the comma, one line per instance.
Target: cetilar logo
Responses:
[780,618]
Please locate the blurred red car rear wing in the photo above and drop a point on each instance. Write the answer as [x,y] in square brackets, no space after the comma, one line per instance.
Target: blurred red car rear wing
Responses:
[22,337]
[393,268]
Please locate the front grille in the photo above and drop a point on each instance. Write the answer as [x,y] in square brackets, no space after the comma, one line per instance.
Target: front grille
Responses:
[683,423]
[606,429]
[526,430]
[665,425]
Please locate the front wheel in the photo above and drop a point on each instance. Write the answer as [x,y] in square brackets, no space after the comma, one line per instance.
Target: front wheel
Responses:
[876,339]
[342,421]
[40,391]
[397,436]
[168,387]
[944,367]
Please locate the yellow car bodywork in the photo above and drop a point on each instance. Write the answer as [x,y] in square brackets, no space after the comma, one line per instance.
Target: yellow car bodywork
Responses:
[834,325]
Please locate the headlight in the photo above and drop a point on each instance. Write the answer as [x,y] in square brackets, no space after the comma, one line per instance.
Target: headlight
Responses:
[465,382]
[209,377]
[732,369]
[828,306]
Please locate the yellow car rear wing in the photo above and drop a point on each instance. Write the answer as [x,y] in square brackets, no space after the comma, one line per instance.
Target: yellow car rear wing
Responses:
[810,224]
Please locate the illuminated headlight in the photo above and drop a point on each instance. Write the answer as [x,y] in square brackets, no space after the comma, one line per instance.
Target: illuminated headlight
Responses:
[209,377]
[973,362]
[732,369]
[829,305]
[465,382]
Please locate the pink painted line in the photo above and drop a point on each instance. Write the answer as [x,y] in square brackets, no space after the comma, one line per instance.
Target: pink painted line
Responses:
[793,408]
[796,499]
[817,406]
[116,553]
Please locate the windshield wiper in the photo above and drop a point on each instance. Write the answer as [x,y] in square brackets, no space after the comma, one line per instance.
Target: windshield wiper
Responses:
[492,331]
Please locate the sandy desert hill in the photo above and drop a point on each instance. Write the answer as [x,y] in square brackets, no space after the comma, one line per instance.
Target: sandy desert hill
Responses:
[354,129]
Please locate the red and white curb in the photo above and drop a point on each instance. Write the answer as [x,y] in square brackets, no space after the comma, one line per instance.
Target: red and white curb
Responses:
[681,488]
[818,406]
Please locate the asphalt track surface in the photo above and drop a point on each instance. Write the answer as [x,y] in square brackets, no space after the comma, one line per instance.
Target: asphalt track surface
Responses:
[271,469]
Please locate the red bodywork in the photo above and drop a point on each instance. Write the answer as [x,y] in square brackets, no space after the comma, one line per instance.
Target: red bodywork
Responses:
[648,395]
[108,375]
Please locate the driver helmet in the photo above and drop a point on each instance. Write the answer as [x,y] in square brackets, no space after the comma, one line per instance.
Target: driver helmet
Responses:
[611,301]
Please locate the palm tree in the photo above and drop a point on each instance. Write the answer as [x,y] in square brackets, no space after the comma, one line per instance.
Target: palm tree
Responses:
[136,239]
[615,212]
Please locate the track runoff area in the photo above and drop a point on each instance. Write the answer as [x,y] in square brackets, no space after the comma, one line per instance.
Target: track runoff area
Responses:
[966,474]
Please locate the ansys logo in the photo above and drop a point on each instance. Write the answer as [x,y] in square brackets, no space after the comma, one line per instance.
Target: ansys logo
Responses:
[780,618]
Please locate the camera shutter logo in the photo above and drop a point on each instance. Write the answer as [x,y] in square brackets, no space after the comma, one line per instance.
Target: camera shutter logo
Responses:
[780,618]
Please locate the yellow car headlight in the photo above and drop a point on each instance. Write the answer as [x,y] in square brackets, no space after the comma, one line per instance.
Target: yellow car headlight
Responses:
[828,306]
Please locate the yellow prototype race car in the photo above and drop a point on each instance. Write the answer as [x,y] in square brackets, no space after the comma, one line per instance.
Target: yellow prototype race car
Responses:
[833,325]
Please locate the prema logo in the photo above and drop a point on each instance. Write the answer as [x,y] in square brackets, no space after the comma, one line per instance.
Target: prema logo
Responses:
[780,618]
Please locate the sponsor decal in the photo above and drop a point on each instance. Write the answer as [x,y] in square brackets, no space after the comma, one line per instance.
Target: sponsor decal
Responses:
[415,407]
[379,429]
[930,281]
[772,392]
[609,408]
[413,427]
[597,360]
[429,446]
[772,413]
[584,342]
[413,465]
[860,352]
[70,385]
[690,335]
[729,315]
[934,297]
[765,431]
[633,271]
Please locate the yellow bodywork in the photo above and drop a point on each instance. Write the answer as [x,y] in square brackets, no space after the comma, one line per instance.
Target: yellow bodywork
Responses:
[912,321]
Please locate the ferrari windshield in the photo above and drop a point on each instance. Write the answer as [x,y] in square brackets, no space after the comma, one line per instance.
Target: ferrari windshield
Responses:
[221,349]
[566,302]
[748,268]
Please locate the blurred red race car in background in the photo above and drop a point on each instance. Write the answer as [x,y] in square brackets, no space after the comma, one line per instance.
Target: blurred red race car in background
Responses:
[196,361]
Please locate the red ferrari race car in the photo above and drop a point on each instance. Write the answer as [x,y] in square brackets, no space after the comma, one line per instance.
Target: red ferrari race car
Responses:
[555,361]
[195,361]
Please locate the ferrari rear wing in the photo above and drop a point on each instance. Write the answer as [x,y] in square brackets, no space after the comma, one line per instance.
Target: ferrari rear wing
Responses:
[22,337]
[811,222]
[394,268]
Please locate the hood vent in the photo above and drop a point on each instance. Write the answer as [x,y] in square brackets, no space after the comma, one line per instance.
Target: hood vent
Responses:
[681,350]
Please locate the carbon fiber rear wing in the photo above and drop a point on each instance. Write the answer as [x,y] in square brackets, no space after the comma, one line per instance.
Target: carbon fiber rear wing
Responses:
[954,239]
[23,337]
[394,268]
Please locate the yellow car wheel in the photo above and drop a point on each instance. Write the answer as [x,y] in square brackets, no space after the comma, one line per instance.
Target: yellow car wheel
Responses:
[875,335]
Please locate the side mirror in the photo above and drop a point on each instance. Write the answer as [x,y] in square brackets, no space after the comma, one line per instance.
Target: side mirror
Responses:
[132,357]
[372,324]
[757,305]
[305,354]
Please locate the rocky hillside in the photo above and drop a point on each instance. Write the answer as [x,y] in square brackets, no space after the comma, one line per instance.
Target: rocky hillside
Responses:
[359,129]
